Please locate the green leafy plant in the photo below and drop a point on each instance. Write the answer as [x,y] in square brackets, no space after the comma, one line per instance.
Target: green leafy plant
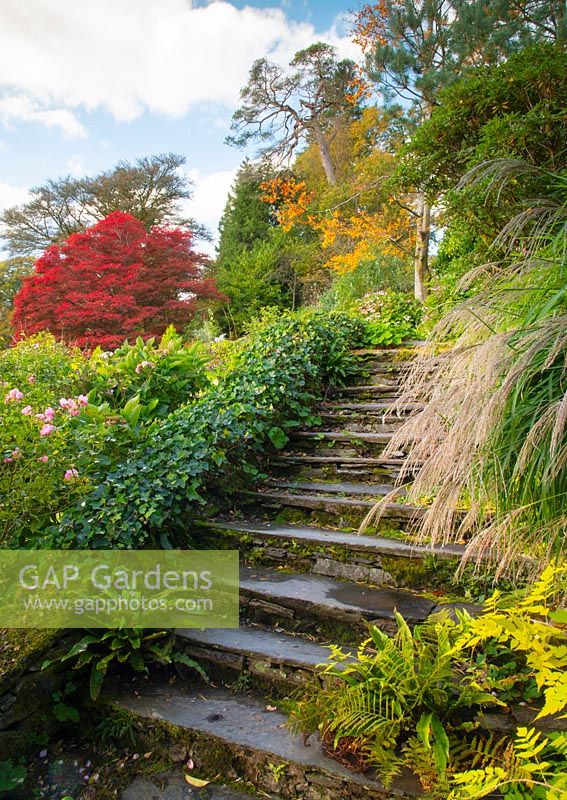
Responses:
[133,647]
[414,700]
[391,317]
[216,439]
[400,697]
[162,375]
[11,776]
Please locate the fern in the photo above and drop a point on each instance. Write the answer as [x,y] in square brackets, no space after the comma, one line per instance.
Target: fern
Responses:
[530,767]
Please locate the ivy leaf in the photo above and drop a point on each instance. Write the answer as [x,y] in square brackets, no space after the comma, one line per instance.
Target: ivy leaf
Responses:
[277,438]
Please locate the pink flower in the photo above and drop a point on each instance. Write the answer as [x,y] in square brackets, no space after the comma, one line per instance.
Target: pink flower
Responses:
[27,410]
[49,414]
[31,378]
[47,429]
[64,403]
[40,416]
[7,460]
[13,395]
[16,453]
[43,459]
[144,365]
[83,400]
[71,474]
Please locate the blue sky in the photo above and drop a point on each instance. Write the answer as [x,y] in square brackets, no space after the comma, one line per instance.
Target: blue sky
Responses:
[87,83]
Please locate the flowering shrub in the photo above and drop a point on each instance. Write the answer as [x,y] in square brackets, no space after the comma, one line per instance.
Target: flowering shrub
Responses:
[270,389]
[38,475]
[68,420]
[391,317]
[163,375]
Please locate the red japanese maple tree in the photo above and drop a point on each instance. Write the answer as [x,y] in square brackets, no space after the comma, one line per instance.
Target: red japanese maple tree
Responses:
[112,282]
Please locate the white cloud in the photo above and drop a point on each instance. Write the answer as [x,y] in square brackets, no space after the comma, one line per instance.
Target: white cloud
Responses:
[75,166]
[128,56]
[11,196]
[19,108]
[210,193]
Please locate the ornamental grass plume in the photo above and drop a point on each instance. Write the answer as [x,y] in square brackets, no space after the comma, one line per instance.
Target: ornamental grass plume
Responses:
[490,443]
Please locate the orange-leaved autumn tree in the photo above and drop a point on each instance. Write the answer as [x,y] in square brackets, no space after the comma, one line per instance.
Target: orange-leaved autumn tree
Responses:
[358,216]
[112,282]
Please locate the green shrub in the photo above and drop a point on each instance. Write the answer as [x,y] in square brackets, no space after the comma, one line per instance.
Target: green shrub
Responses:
[44,370]
[413,700]
[390,317]
[58,442]
[167,374]
[274,381]
[39,473]
[369,276]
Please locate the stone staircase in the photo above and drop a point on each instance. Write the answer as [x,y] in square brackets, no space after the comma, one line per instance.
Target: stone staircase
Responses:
[307,579]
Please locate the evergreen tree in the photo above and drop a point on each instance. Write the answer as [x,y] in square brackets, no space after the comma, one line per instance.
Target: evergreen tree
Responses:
[246,217]
[252,269]
[285,109]
[416,47]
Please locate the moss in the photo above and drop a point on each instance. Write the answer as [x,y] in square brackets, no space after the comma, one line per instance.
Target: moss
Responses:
[22,647]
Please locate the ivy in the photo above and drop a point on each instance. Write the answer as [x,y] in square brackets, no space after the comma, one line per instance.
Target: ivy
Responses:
[273,383]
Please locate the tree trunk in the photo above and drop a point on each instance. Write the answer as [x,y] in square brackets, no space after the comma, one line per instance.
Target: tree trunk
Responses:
[421,255]
[324,152]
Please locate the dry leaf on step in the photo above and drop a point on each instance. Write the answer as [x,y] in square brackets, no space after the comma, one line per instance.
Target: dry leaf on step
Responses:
[196,781]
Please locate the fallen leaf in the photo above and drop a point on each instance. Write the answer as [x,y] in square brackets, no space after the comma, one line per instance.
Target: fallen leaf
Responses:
[196,781]
[271,708]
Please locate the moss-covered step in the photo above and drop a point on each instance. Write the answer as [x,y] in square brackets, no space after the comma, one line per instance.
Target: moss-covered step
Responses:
[255,656]
[236,737]
[338,511]
[328,468]
[386,355]
[370,443]
[309,602]
[328,538]
[382,409]
[350,488]
[359,422]
[369,388]
[294,458]
[376,560]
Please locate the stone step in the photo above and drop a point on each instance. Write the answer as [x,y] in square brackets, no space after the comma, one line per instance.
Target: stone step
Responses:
[372,559]
[366,389]
[307,602]
[381,409]
[328,538]
[348,461]
[240,736]
[331,468]
[335,510]
[171,785]
[273,657]
[374,490]
[342,443]
[359,422]
[386,355]
[343,436]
